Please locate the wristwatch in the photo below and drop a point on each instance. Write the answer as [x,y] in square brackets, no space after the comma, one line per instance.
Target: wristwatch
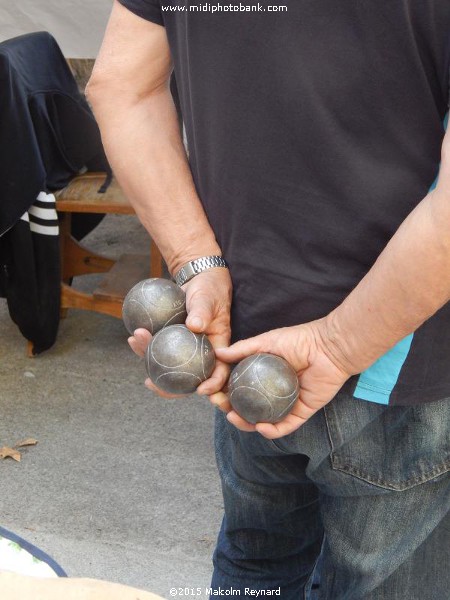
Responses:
[196,266]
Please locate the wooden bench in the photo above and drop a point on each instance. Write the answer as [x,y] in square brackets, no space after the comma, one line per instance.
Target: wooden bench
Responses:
[81,196]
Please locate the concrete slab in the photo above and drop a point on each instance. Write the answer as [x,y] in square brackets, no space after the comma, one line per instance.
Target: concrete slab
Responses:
[122,484]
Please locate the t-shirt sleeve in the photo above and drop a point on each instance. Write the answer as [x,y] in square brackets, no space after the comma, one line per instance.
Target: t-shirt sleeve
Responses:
[147,9]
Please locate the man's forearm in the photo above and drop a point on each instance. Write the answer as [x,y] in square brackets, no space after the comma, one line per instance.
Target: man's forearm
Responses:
[143,143]
[408,283]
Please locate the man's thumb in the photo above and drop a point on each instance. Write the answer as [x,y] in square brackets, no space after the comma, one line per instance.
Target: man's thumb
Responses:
[200,315]
[195,323]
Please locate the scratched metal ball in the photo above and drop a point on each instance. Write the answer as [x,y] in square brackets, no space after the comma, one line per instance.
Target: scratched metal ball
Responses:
[263,388]
[178,360]
[154,304]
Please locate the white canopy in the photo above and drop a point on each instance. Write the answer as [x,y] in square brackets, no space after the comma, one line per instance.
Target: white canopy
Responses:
[77,25]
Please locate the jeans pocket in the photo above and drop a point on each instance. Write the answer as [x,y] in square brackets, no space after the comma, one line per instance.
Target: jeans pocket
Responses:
[395,448]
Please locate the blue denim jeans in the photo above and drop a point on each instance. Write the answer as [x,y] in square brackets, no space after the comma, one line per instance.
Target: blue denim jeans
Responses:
[364,486]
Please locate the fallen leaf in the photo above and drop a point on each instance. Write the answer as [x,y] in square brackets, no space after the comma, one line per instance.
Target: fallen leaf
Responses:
[6,452]
[27,442]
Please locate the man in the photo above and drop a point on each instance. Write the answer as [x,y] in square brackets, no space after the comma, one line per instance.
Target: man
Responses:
[314,133]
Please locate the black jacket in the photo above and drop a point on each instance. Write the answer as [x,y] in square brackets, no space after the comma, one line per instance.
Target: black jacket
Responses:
[47,135]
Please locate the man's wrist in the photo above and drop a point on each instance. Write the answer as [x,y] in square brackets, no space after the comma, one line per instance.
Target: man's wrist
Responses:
[353,348]
[192,251]
[340,345]
[196,266]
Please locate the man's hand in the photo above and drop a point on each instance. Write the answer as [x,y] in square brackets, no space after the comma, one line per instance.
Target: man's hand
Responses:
[208,302]
[311,354]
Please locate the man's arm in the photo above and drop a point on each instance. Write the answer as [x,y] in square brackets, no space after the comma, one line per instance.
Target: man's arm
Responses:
[130,96]
[129,92]
[408,283]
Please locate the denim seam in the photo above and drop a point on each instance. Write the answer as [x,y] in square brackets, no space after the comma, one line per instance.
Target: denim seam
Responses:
[306,590]
[277,447]
[328,430]
[411,482]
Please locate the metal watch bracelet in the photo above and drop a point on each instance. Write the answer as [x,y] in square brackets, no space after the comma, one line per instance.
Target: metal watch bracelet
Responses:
[196,266]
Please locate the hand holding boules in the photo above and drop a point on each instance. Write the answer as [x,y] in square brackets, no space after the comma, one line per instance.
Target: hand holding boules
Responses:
[208,299]
[177,360]
[317,365]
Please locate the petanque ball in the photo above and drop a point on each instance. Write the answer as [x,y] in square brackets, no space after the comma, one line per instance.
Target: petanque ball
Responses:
[263,388]
[154,304]
[178,360]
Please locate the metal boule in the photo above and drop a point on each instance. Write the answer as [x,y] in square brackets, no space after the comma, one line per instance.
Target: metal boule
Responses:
[263,388]
[153,304]
[178,360]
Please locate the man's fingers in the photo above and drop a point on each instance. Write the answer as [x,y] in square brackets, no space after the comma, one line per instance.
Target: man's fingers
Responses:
[137,347]
[295,419]
[134,346]
[240,350]
[273,431]
[220,400]
[217,380]
[200,313]
[143,336]
[139,341]
[239,422]
[208,296]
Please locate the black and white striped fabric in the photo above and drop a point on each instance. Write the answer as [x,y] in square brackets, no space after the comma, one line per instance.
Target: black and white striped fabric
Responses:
[42,215]
[30,273]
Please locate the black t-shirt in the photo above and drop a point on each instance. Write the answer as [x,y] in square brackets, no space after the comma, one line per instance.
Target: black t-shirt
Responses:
[313,131]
